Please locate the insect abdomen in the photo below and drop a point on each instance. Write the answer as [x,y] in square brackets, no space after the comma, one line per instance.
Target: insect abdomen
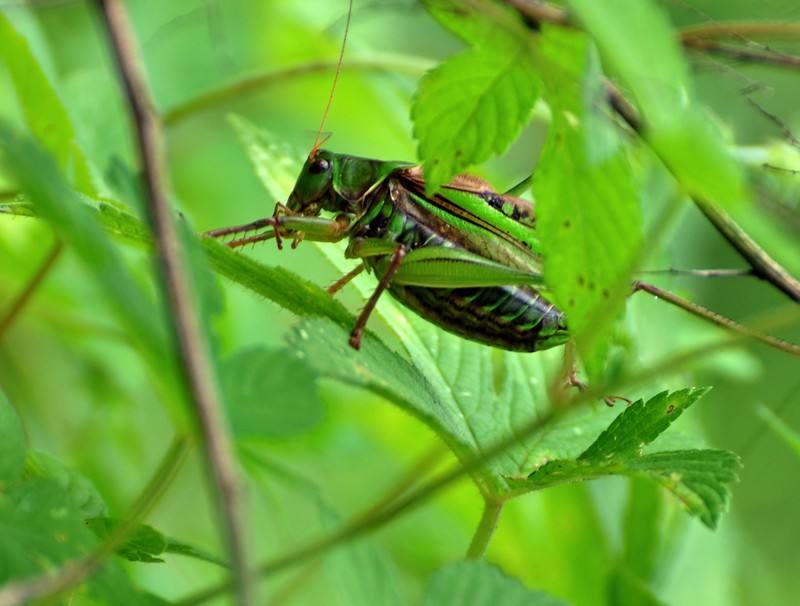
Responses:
[511,317]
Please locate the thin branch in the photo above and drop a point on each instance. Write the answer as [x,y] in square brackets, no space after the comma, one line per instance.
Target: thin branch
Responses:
[762,263]
[715,318]
[249,85]
[25,295]
[786,30]
[700,273]
[72,573]
[197,369]
[700,38]
[744,55]
[486,527]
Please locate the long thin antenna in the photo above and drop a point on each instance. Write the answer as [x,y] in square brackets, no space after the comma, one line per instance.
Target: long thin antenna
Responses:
[319,140]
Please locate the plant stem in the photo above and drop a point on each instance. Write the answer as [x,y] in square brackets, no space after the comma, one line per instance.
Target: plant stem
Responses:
[715,318]
[743,29]
[25,295]
[260,81]
[72,573]
[486,527]
[194,356]
[763,265]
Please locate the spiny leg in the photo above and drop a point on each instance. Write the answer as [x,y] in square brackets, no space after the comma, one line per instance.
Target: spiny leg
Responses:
[394,264]
[345,279]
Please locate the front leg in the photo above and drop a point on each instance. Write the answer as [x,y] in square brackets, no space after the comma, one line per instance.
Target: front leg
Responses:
[316,229]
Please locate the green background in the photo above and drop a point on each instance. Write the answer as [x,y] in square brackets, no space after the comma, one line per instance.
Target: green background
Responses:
[85,397]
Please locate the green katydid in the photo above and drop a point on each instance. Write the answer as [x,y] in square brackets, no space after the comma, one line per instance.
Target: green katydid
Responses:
[465,258]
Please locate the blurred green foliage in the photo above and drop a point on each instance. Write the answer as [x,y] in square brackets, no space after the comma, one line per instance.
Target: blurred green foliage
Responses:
[88,417]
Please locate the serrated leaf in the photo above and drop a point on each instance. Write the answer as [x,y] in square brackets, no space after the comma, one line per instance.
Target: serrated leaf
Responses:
[78,490]
[699,478]
[146,544]
[480,23]
[641,423]
[470,107]
[637,41]
[270,394]
[44,113]
[588,211]
[12,443]
[481,584]
[42,529]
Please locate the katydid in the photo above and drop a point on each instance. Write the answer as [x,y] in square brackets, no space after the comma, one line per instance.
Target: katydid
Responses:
[465,258]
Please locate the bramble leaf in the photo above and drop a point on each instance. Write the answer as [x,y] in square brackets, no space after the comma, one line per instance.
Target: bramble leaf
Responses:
[481,584]
[146,544]
[588,211]
[699,478]
[470,107]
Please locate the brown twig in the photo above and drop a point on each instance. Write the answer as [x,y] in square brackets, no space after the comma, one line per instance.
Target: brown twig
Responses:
[25,295]
[745,55]
[742,29]
[197,369]
[715,318]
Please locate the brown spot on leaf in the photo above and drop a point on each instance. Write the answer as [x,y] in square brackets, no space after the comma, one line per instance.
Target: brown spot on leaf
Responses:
[581,280]
[567,224]
[670,409]
[606,294]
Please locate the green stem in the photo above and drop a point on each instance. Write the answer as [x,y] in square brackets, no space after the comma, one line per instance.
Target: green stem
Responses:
[715,318]
[764,266]
[19,302]
[245,86]
[486,527]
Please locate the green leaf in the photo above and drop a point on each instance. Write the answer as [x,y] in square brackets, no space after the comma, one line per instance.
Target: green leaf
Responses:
[45,114]
[699,478]
[282,287]
[270,394]
[470,107]
[780,428]
[588,211]
[146,544]
[638,43]
[641,423]
[481,584]
[42,529]
[77,489]
[12,443]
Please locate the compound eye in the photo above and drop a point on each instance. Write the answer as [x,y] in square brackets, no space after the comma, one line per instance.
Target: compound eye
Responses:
[319,165]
